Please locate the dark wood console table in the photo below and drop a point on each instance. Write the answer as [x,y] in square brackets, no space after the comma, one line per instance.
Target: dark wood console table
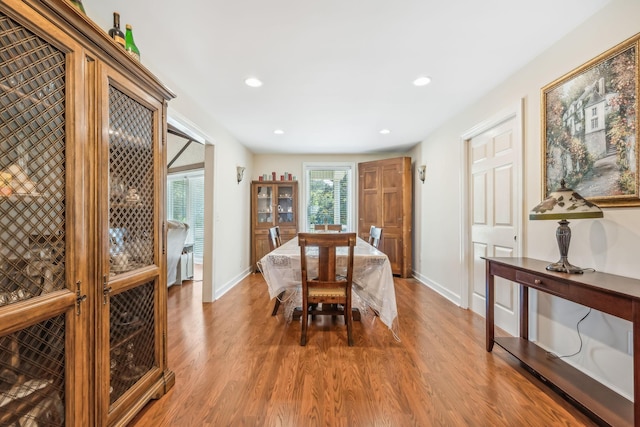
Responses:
[608,293]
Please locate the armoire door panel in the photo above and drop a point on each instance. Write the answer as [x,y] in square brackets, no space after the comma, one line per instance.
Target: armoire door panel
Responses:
[370,205]
[369,179]
[391,211]
[42,224]
[133,281]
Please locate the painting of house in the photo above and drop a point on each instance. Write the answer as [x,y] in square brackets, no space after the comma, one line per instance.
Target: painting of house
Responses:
[590,129]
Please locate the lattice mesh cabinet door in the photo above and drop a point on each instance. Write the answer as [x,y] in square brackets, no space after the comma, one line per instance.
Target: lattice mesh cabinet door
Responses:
[32,373]
[32,165]
[131,183]
[132,339]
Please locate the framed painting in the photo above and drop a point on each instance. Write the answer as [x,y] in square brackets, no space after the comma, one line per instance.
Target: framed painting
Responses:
[590,128]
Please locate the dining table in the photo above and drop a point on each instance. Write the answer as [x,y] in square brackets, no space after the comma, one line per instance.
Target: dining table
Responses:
[373,289]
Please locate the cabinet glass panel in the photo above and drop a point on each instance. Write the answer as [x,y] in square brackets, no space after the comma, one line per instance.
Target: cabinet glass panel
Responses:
[32,165]
[32,373]
[132,339]
[131,183]
[285,204]
[265,204]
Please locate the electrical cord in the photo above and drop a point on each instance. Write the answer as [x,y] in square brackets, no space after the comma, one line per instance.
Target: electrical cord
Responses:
[552,355]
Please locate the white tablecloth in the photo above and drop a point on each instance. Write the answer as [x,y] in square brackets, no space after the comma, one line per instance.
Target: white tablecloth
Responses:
[373,286]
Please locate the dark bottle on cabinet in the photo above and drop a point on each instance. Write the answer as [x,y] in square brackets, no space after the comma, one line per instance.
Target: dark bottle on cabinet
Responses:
[130,45]
[116,33]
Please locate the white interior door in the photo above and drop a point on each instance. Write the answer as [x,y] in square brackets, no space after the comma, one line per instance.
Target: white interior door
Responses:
[494,194]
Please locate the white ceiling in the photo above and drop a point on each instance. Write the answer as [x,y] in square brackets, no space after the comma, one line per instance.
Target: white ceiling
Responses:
[336,72]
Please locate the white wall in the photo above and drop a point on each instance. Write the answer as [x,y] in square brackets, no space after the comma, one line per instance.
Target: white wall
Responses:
[226,258]
[608,245]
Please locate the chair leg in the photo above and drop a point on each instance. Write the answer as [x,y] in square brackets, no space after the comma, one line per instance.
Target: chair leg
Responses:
[348,316]
[305,322]
[277,304]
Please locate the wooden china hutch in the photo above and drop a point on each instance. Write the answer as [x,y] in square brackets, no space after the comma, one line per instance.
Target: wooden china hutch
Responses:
[82,222]
[273,203]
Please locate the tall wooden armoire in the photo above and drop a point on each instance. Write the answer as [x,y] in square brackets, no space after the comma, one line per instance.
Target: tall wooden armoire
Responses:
[83,292]
[384,200]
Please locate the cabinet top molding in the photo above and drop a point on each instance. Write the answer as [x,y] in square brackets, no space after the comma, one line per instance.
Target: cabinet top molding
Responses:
[83,29]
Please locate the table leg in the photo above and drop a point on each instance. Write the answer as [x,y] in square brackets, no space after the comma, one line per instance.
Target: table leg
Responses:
[489,298]
[524,312]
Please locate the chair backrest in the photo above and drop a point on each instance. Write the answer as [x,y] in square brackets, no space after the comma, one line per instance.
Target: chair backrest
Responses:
[327,227]
[274,237]
[375,234]
[329,267]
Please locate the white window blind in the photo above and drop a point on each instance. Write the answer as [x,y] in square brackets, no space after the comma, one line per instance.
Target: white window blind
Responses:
[185,203]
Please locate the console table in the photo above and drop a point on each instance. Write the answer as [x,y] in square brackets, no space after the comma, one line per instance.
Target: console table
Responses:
[616,295]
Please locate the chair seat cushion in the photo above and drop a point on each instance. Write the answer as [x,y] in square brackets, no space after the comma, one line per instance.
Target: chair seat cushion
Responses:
[328,292]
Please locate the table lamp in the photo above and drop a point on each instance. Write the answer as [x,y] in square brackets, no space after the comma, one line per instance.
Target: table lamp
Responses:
[561,205]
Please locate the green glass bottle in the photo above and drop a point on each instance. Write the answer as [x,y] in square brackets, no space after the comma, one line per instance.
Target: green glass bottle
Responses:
[78,5]
[130,45]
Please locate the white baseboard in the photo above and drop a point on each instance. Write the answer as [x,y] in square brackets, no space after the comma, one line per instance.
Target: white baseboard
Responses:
[231,283]
[446,293]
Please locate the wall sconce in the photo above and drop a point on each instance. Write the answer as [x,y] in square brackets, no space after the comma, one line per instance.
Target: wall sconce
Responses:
[239,173]
[422,171]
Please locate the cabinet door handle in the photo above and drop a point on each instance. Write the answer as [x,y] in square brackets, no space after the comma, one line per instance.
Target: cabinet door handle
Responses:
[79,298]
[537,282]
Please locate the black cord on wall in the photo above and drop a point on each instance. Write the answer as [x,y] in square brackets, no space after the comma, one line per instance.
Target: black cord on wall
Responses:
[555,356]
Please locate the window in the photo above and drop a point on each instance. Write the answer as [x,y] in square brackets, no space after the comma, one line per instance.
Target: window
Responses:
[594,123]
[185,203]
[594,111]
[328,195]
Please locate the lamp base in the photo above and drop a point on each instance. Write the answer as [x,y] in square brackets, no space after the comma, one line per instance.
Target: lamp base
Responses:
[563,235]
[564,266]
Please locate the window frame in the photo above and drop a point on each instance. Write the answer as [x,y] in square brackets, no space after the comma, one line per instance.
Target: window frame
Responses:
[350,168]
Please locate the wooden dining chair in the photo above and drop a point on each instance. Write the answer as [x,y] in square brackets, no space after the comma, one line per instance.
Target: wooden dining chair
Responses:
[326,291]
[274,242]
[274,238]
[375,234]
[327,227]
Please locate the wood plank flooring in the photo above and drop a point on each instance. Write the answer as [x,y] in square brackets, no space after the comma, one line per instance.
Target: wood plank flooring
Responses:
[236,365]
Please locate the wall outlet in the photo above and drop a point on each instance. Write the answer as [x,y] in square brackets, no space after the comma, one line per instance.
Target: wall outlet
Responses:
[630,343]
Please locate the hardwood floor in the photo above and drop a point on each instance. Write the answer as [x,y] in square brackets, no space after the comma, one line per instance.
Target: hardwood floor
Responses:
[236,365]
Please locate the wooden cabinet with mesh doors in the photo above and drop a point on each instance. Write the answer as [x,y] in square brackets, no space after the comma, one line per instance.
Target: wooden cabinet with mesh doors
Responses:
[82,243]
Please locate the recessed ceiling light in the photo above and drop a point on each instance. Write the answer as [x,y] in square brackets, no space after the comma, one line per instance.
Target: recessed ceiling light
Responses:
[252,82]
[422,81]
[278,131]
[385,131]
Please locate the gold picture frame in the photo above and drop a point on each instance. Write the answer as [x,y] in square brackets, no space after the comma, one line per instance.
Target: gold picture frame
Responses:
[590,128]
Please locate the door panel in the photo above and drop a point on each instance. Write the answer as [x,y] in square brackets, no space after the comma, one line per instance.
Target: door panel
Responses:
[493,215]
